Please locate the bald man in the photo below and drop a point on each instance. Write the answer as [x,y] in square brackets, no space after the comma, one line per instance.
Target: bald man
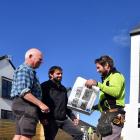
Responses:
[26,95]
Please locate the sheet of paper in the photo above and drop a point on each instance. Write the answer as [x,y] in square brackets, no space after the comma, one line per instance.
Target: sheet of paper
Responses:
[82,98]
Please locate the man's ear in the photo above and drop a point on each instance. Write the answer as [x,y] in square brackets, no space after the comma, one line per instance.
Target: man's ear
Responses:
[30,55]
[50,76]
[107,66]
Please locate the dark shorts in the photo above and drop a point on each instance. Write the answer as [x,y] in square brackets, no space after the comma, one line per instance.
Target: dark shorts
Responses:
[26,117]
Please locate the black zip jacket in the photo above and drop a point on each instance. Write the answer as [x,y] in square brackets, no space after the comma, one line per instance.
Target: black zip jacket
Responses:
[55,97]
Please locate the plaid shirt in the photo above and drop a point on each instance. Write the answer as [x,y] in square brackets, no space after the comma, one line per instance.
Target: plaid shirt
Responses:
[25,80]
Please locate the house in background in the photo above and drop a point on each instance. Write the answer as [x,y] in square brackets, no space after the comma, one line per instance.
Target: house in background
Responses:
[132,124]
[6,74]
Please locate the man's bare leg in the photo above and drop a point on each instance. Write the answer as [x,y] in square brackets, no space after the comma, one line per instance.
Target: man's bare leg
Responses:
[21,137]
[25,137]
[17,137]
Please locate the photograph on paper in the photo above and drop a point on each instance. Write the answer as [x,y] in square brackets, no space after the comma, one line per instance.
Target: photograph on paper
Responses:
[82,98]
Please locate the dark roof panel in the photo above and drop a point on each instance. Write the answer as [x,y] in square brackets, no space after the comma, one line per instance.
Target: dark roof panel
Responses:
[135,30]
[7,57]
[3,57]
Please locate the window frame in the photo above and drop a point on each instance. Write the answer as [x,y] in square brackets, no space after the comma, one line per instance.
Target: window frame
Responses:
[5,92]
[7,114]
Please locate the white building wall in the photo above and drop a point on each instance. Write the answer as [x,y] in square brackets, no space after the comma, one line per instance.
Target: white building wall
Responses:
[7,71]
[134,71]
[131,130]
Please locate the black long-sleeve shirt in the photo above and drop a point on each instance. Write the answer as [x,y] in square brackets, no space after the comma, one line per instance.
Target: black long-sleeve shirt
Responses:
[55,97]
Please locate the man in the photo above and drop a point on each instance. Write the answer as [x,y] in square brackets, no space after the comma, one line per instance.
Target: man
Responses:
[111,99]
[55,97]
[26,94]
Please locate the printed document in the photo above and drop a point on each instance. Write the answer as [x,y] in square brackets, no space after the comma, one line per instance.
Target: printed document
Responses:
[82,98]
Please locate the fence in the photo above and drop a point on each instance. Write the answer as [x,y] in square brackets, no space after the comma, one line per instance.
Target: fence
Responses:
[7,130]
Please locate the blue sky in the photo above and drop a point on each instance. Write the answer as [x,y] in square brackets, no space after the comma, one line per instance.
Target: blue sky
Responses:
[70,33]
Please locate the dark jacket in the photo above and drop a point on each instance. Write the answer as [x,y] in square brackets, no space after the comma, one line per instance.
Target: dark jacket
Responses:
[55,97]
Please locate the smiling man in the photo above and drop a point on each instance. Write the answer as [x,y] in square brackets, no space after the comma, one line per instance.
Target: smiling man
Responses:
[55,97]
[111,98]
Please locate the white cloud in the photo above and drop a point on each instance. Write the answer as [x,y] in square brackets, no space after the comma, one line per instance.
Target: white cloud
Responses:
[122,39]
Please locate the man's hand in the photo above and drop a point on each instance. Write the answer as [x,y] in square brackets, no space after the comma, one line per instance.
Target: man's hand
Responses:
[31,98]
[89,83]
[44,108]
[76,121]
[95,107]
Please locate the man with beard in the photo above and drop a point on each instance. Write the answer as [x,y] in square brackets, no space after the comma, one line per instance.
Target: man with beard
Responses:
[111,99]
[54,95]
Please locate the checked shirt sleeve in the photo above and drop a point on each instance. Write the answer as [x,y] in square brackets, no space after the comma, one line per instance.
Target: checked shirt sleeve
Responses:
[24,81]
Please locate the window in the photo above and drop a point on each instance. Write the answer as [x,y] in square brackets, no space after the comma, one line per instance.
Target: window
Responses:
[6,114]
[138,117]
[6,87]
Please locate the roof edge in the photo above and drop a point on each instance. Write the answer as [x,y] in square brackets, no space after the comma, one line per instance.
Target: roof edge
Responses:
[8,58]
[135,31]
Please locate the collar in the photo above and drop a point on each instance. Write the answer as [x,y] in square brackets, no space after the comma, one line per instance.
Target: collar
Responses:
[113,70]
